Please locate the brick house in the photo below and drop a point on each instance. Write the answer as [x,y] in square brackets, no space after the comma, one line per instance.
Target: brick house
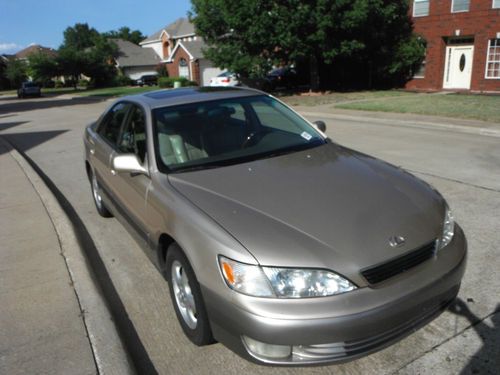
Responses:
[463,45]
[181,50]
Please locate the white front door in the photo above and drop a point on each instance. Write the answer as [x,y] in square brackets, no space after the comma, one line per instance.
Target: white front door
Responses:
[458,67]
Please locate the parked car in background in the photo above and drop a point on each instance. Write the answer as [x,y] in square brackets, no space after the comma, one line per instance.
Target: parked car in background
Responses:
[282,78]
[147,80]
[286,247]
[225,79]
[29,89]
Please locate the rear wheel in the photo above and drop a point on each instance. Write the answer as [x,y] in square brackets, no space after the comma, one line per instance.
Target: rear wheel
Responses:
[96,194]
[186,296]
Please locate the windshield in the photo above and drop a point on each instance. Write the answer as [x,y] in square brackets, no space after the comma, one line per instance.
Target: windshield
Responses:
[231,131]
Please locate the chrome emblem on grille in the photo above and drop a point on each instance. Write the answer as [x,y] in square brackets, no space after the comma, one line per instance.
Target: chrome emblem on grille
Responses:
[397,241]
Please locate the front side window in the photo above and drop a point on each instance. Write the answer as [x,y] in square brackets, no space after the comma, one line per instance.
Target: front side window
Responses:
[230,131]
[112,122]
[133,137]
[420,8]
[460,5]
[493,59]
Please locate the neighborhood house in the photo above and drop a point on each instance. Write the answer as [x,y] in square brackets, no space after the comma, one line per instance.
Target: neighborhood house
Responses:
[178,46]
[463,45]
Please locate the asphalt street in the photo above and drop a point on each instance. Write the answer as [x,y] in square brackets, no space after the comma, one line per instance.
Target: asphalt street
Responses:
[465,168]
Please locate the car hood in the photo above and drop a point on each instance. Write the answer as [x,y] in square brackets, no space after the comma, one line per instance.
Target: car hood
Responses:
[326,207]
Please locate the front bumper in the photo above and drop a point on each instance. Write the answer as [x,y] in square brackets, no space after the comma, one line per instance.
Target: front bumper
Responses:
[343,327]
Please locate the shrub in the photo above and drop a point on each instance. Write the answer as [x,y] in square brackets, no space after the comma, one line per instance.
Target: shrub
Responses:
[162,71]
[168,82]
[59,84]
[83,83]
[121,80]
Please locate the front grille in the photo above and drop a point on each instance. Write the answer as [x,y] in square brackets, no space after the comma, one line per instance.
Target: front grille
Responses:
[400,264]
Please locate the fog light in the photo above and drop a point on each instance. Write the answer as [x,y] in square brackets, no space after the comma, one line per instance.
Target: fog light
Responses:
[260,349]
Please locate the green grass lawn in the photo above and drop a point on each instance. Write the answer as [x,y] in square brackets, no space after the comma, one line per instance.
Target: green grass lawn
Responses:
[104,92]
[339,97]
[478,107]
[116,91]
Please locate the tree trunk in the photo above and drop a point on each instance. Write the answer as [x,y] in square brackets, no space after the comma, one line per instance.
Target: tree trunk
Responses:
[313,66]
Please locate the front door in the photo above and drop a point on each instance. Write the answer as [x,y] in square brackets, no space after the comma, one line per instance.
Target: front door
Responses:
[458,67]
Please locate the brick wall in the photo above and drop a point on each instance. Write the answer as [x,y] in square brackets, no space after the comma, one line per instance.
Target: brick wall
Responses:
[173,67]
[481,22]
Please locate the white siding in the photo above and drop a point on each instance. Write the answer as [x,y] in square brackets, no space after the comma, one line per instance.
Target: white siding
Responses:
[157,47]
[135,72]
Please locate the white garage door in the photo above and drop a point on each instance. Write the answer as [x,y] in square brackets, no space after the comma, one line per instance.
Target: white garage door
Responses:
[207,71]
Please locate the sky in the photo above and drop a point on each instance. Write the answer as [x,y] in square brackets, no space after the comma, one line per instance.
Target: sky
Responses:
[27,22]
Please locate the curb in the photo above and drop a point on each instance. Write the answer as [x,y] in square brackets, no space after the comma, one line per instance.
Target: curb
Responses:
[109,352]
[411,124]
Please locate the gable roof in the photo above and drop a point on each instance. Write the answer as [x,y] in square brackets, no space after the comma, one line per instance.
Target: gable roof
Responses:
[194,48]
[180,27]
[35,48]
[130,54]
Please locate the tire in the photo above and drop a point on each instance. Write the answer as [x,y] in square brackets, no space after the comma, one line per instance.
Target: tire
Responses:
[96,195]
[186,297]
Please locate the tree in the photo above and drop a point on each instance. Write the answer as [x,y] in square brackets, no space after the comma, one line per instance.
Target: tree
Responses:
[125,33]
[16,72]
[85,51]
[42,67]
[361,42]
[79,37]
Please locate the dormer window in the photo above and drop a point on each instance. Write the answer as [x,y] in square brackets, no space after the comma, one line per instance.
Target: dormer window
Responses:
[420,8]
[460,6]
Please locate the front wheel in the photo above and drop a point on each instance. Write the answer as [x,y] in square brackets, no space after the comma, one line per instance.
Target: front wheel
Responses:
[186,296]
[96,194]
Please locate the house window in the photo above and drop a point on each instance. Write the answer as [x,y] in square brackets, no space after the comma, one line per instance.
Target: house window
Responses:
[420,8]
[420,72]
[460,5]
[493,59]
[183,68]
[496,3]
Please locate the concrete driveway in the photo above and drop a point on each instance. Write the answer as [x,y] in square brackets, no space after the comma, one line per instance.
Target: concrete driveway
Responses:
[464,167]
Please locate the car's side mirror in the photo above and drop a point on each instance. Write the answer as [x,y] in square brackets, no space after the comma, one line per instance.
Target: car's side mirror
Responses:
[128,163]
[320,125]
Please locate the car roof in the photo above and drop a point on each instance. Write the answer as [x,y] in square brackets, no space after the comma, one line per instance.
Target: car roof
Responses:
[187,95]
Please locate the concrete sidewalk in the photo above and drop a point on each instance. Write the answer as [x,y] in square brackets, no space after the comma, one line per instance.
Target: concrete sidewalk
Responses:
[328,111]
[51,313]
[41,324]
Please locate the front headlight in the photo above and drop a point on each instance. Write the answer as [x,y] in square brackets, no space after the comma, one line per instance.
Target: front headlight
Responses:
[448,229]
[282,282]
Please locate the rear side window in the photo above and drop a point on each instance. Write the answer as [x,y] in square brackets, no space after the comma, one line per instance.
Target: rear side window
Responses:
[112,122]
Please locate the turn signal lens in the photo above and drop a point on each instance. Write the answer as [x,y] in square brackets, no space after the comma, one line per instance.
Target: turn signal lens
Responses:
[245,278]
[227,270]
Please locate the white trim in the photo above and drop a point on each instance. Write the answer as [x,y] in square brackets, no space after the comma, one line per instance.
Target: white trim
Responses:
[458,11]
[488,60]
[149,42]
[183,36]
[421,15]
[179,44]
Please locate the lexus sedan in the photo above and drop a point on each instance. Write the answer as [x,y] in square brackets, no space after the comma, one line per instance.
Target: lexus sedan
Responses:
[283,245]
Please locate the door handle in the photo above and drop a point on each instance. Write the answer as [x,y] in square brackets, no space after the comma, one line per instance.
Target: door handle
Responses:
[113,172]
[92,151]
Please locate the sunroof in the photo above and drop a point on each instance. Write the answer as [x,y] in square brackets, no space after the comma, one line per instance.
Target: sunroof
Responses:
[165,94]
